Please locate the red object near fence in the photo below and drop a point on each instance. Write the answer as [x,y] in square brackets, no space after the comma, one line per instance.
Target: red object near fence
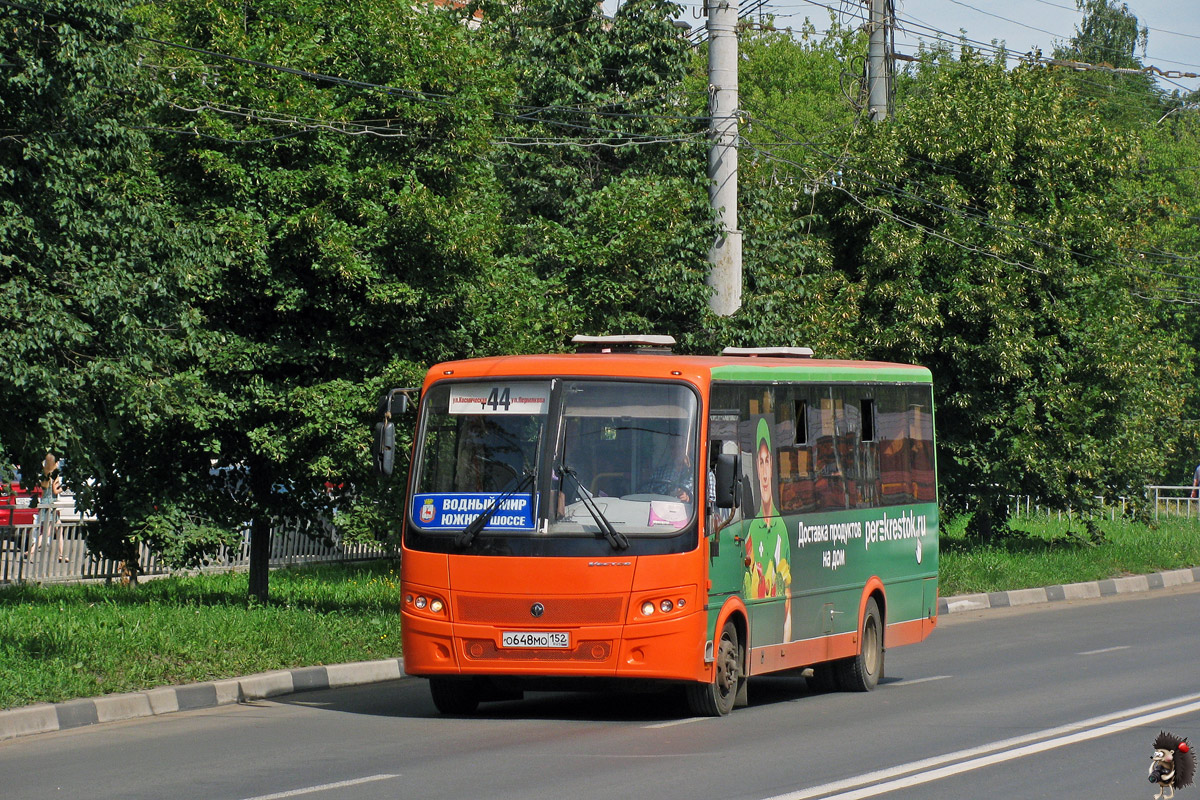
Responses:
[17,505]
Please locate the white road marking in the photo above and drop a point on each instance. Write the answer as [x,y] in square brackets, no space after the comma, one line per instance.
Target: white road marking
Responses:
[930,769]
[323,787]
[675,722]
[1104,650]
[920,680]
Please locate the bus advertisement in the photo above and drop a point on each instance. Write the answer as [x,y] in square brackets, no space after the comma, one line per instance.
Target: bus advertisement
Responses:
[630,514]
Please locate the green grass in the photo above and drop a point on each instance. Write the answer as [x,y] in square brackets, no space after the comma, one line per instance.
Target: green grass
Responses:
[62,642]
[1047,554]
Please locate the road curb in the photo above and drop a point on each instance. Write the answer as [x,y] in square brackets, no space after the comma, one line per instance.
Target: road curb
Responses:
[50,717]
[1068,591]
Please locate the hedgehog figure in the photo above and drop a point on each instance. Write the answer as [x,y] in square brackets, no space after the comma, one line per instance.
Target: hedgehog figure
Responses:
[1172,766]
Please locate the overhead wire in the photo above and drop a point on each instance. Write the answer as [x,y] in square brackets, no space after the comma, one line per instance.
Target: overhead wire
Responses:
[907,23]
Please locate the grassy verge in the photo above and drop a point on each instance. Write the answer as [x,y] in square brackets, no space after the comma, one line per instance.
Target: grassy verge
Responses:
[63,642]
[1047,554]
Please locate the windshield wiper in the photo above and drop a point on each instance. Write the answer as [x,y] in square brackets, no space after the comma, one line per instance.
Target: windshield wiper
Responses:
[472,530]
[615,537]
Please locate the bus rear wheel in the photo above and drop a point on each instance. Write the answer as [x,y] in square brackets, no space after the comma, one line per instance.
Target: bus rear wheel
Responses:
[455,696]
[862,673]
[716,698]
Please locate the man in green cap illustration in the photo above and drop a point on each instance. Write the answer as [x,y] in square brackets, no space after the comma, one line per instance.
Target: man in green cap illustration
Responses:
[769,575]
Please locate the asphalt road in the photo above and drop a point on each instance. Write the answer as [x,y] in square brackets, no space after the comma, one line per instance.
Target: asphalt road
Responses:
[1059,700]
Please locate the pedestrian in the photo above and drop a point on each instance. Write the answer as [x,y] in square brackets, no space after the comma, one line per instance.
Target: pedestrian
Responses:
[46,525]
[1196,481]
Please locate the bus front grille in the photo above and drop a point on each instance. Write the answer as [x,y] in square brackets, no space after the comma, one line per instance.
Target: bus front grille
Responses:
[554,610]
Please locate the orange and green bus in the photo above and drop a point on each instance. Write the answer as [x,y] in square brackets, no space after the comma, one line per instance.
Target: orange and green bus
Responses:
[626,513]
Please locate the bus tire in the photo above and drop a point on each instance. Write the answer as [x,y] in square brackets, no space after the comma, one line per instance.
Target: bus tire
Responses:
[455,696]
[716,698]
[862,672]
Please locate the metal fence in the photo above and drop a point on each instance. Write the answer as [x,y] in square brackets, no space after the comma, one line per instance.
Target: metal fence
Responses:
[1174,501]
[290,545]
[1166,502]
[1024,505]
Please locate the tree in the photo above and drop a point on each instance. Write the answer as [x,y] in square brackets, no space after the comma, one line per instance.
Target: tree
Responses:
[95,268]
[1166,194]
[988,232]
[605,168]
[338,153]
[1110,36]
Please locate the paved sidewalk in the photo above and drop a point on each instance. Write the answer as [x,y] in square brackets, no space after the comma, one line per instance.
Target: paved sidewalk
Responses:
[48,717]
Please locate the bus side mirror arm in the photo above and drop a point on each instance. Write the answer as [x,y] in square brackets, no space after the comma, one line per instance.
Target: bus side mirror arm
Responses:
[746,497]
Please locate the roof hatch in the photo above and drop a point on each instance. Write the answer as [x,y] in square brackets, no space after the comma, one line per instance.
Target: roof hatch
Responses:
[659,345]
[769,352]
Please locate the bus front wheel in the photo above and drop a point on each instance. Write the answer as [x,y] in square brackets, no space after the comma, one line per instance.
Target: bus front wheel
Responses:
[454,695]
[716,698]
[862,672]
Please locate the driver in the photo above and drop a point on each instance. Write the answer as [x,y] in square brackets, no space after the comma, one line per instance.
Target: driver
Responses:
[675,475]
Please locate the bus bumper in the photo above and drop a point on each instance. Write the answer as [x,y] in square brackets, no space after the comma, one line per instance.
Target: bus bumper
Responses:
[666,650]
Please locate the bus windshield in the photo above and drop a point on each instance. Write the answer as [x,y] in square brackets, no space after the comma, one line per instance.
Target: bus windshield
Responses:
[621,458]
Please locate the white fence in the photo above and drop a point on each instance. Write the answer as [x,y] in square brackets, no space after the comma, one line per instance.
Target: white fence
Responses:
[1027,506]
[1167,502]
[1174,501]
[289,546]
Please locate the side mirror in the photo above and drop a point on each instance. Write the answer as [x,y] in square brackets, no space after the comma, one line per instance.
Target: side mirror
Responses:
[391,404]
[385,447]
[727,483]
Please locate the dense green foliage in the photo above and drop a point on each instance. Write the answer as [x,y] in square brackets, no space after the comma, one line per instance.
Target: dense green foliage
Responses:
[608,221]
[992,242]
[227,227]
[98,272]
[352,217]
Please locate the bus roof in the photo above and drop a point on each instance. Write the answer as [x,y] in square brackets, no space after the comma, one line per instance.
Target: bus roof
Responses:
[698,369]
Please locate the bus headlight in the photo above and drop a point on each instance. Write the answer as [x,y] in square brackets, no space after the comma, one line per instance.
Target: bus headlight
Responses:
[647,608]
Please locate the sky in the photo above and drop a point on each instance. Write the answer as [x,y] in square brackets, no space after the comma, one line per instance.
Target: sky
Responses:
[1174,40]
[1174,35]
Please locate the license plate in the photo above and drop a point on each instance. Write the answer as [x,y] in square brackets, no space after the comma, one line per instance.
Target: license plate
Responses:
[557,639]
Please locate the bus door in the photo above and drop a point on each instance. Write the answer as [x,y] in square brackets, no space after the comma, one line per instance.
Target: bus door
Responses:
[755,552]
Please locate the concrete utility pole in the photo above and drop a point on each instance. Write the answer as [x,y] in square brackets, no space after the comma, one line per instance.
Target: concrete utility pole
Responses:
[878,70]
[726,254]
